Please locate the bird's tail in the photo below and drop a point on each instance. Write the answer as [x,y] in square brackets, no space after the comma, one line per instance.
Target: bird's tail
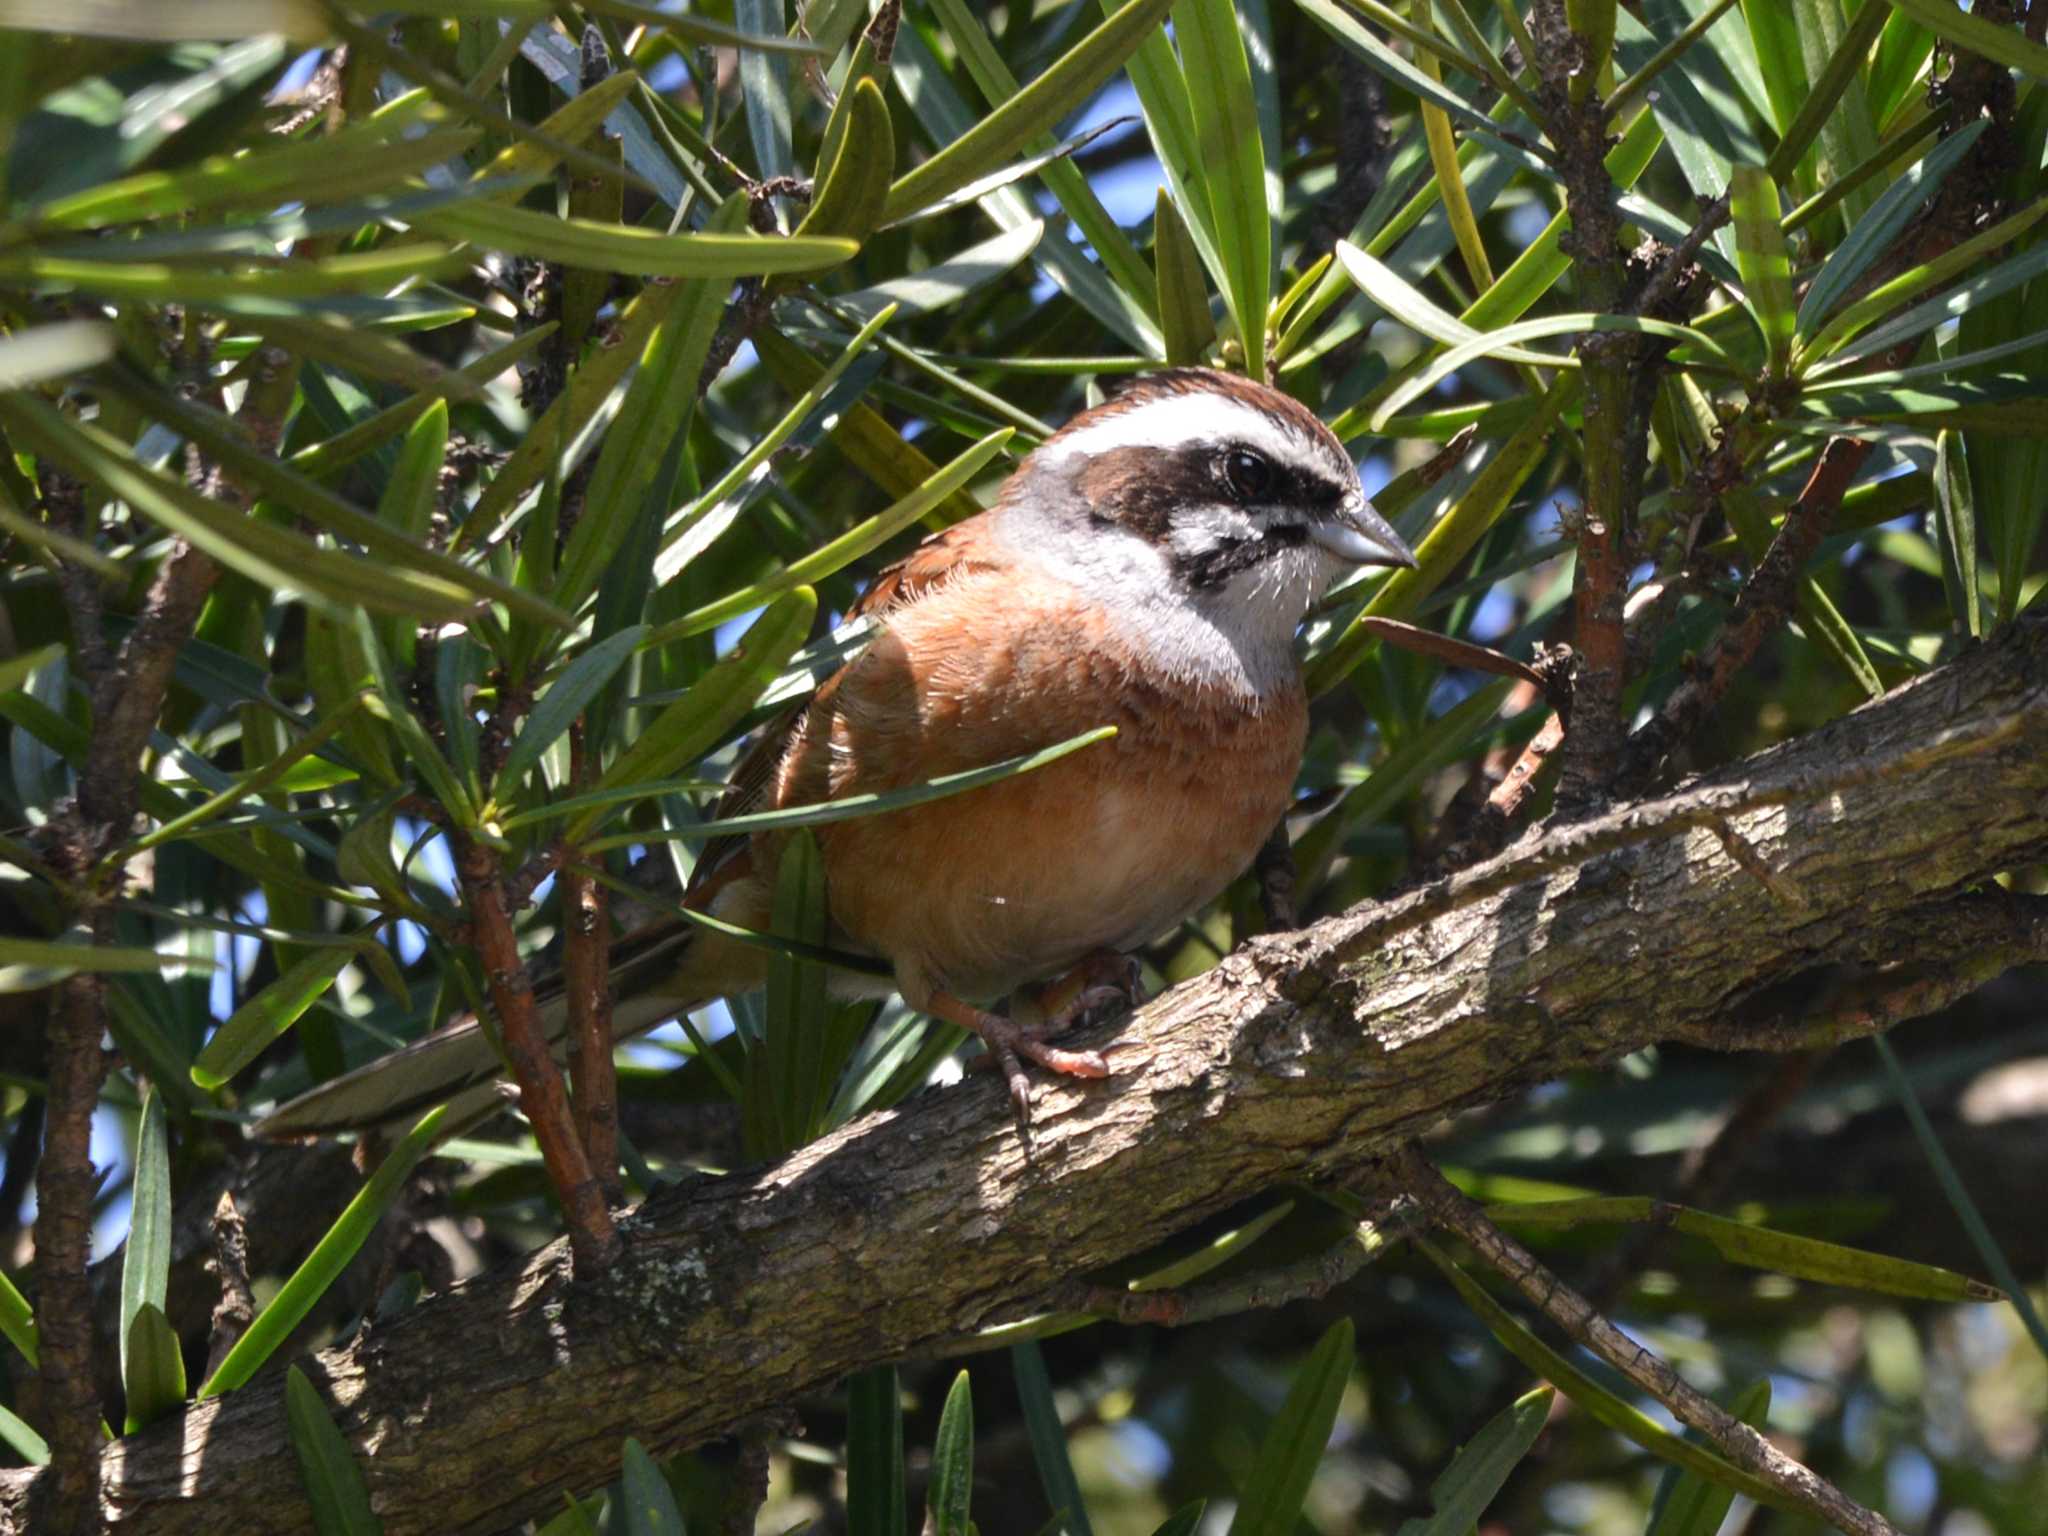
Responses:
[460,1062]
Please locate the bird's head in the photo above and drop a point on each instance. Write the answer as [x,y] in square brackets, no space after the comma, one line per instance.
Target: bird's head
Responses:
[1203,489]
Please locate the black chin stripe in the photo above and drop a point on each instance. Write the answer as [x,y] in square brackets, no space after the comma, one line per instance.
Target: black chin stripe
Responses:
[1213,567]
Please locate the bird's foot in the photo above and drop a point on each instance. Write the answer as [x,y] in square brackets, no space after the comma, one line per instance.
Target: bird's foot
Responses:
[1102,982]
[1011,1044]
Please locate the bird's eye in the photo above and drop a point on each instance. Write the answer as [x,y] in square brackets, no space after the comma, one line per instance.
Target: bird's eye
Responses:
[1249,474]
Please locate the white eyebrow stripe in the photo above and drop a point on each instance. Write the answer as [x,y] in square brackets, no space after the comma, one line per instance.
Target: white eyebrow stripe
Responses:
[1179,421]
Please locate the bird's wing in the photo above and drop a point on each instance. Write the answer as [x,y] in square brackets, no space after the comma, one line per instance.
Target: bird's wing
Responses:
[943,557]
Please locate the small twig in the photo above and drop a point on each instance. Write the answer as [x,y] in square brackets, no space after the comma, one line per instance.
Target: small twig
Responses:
[586,977]
[1663,286]
[1449,1209]
[1761,609]
[1452,653]
[1739,848]
[236,1308]
[1308,1279]
[542,1097]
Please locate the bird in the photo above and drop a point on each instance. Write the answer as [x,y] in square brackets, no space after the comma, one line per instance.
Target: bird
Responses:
[1147,567]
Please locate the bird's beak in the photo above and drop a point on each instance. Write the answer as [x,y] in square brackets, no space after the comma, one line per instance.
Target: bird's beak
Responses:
[1360,535]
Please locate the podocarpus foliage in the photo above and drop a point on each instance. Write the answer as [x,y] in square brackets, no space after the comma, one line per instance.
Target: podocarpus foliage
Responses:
[428,448]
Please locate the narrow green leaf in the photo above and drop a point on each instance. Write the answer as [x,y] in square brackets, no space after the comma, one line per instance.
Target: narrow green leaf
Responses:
[651,1508]
[344,447]
[855,184]
[1407,304]
[947,282]
[846,808]
[567,697]
[764,90]
[875,448]
[330,1256]
[45,352]
[405,562]
[272,1011]
[875,1501]
[408,500]
[1113,248]
[277,558]
[1804,1258]
[152,1368]
[1499,342]
[658,403]
[1183,291]
[327,1463]
[1909,285]
[1955,524]
[628,248]
[1217,1251]
[1775,35]
[391,700]
[22,1439]
[672,559]
[1592,22]
[1184,1521]
[1227,139]
[364,158]
[1060,90]
[1902,50]
[695,723]
[1764,260]
[18,1321]
[2000,403]
[1049,1439]
[1958,1197]
[146,1260]
[28,965]
[786,1087]
[1834,112]
[848,547]
[1880,225]
[1973,34]
[1463,1490]
[1270,1501]
[1443,156]
[1688,1504]
[952,1485]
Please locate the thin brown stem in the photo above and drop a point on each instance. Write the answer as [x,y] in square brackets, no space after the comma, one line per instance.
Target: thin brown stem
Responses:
[1449,1209]
[542,1097]
[586,977]
[64,1194]
[1762,609]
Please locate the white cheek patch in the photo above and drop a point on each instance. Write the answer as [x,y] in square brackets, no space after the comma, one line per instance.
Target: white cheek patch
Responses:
[1172,422]
[1201,530]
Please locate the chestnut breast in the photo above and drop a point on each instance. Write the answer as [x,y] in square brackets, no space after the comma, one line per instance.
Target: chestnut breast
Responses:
[1107,848]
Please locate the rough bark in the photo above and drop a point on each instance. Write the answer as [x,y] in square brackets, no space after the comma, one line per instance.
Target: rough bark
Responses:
[1298,1058]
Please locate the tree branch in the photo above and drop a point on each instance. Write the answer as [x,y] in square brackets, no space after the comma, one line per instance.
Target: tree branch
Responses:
[1302,1057]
